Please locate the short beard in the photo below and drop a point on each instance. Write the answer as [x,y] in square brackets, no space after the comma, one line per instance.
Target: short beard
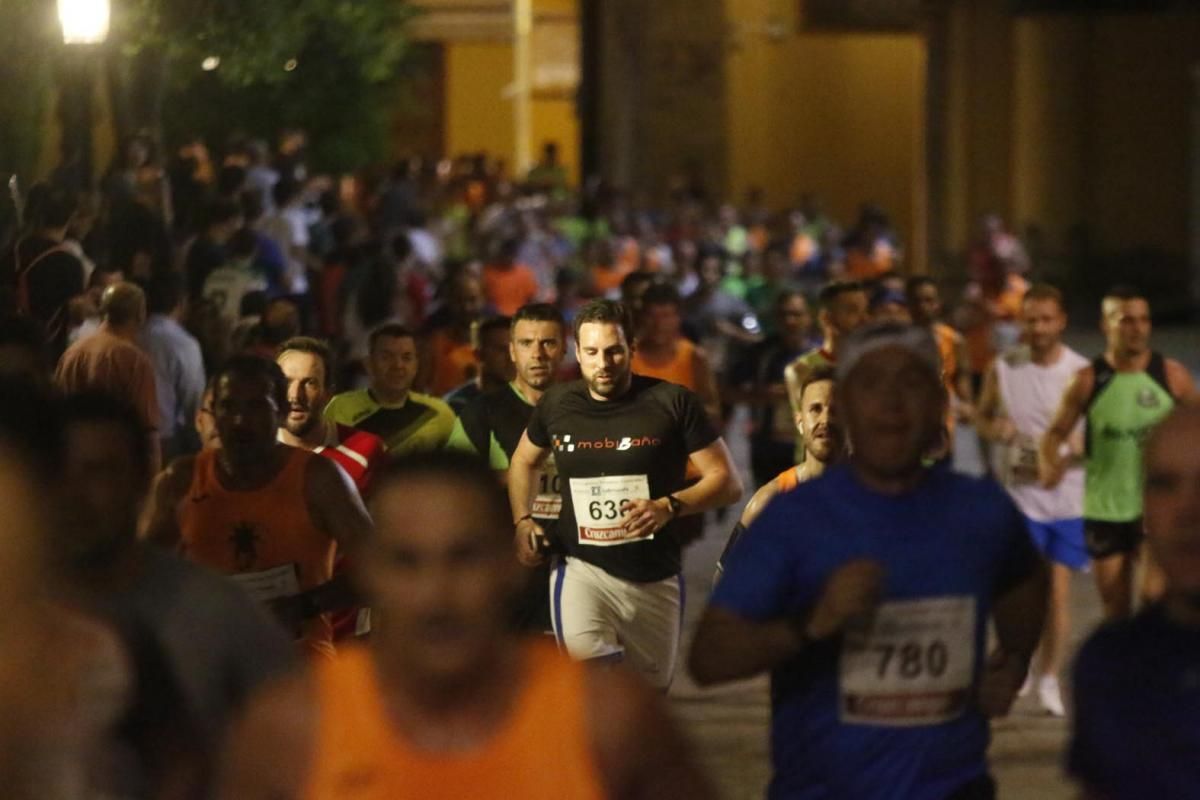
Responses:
[305,428]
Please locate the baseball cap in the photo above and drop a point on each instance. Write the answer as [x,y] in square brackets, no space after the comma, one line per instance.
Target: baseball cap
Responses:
[916,339]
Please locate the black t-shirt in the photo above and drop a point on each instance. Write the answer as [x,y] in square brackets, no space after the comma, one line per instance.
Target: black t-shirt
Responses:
[647,433]
[763,366]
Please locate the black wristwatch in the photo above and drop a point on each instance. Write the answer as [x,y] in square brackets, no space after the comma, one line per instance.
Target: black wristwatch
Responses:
[676,505]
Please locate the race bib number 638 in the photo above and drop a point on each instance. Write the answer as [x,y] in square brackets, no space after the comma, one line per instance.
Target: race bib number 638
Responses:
[912,664]
[600,505]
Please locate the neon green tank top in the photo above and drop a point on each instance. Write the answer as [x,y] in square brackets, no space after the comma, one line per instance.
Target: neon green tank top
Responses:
[1124,408]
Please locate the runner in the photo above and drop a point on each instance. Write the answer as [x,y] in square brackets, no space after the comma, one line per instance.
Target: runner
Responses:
[491,426]
[925,306]
[621,444]
[264,513]
[1122,395]
[446,702]
[407,421]
[868,592]
[197,644]
[663,352]
[843,309]
[1137,707]
[308,366]
[490,338]
[1021,392]
[821,436]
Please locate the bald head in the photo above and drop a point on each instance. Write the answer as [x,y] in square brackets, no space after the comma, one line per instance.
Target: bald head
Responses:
[1172,502]
[123,306]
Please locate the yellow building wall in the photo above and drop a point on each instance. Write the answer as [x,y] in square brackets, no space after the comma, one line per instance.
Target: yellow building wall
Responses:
[479,114]
[479,110]
[837,114]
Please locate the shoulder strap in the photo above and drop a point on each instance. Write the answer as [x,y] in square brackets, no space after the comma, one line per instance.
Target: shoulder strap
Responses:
[1157,370]
[1103,374]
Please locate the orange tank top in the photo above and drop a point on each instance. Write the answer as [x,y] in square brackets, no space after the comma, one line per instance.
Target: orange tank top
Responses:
[681,369]
[543,751]
[453,363]
[788,479]
[263,538]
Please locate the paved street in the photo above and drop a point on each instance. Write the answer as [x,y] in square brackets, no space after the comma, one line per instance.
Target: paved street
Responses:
[728,724]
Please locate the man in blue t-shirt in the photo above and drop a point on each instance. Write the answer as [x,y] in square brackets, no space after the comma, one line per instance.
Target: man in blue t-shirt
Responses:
[867,594]
[1137,681]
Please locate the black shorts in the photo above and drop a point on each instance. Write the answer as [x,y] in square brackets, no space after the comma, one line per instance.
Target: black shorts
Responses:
[1104,539]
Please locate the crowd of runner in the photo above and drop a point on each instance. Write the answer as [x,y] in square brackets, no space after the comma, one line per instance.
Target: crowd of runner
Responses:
[380,487]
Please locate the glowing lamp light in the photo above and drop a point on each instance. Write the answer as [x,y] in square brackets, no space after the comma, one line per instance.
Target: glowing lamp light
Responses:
[84,21]
[210,63]
[290,65]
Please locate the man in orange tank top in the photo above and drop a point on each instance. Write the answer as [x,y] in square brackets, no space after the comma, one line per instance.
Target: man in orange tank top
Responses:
[446,701]
[265,514]
[663,352]
[824,444]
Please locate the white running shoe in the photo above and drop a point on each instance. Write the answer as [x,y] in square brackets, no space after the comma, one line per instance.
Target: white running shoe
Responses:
[1027,686]
[1050,696]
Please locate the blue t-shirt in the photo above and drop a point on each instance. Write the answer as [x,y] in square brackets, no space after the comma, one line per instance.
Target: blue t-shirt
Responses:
[953,541]
[1137,709]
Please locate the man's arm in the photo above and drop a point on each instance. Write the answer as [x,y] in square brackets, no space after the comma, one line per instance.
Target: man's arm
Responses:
[269,750]
[794,375]
[1019,613]
[159,523]
[990,421]
[1179,381]
[962,376]
[729,646]
[522,478]
[639,750]
[1051,464]
[337,509]
[719,485]
[765,494]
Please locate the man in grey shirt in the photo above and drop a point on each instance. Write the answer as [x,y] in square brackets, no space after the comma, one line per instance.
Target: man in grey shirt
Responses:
[178,364]
[198,644]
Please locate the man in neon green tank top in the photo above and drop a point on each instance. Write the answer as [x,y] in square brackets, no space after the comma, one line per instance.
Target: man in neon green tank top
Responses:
[1123,394]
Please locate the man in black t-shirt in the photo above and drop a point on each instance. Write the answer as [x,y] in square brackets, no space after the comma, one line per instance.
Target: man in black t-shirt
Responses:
[621,444]
[491,426]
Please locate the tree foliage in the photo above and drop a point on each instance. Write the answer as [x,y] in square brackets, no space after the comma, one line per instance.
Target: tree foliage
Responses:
[345,57]
[28,39]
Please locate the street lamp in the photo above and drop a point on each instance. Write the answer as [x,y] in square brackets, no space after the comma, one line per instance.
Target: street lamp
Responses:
[84,29]
[84,21]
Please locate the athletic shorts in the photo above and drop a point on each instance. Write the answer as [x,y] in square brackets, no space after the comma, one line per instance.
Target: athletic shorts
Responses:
[599,617]
[1060,541]
[1106,539]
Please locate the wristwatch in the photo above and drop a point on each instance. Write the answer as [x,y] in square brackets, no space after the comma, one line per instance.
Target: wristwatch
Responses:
[675,504]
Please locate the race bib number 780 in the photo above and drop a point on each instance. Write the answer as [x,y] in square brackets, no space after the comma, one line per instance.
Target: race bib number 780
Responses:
[912,663]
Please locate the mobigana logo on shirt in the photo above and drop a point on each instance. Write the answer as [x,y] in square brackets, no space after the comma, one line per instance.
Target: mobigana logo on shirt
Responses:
[565,444]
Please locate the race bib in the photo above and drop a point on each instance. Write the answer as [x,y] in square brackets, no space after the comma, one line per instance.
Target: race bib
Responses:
[911,664]
[547,503]
[600,505]
[1022,459]
[270,584]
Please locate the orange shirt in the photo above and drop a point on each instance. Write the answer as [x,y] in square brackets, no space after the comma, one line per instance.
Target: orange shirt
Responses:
[111,365]
[453,363]
[788,479]
[606,279]
[542,751]
[263,538]
[509,289]
[681,369]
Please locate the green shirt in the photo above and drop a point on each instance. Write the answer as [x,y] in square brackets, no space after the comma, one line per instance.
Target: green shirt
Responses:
[1123,409]
[418,425]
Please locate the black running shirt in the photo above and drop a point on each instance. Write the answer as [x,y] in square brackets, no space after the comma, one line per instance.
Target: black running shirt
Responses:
[613,450]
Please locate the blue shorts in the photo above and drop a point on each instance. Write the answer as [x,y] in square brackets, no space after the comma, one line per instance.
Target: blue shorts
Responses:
[1060,541]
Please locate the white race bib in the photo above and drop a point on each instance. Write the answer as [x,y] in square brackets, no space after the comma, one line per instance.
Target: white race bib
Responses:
[270,584]
[912,663]
[547,503]
[600,507]
[1022,460]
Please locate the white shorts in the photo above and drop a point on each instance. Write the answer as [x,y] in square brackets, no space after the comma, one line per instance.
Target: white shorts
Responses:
[600,617]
